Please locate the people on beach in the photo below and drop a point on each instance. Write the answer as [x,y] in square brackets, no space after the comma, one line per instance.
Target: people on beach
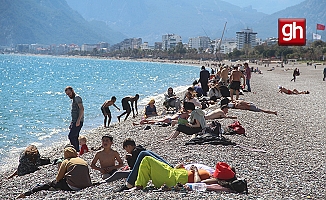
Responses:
[214,92]
[107,158]
[294,91]
[244,105]
[29,161]
[77,115]
[83,146]
[177,118]
[219,113]
[189,97]
[73,175]
[248,76]
[171,100]
[235,82]
[197,89]
[127,107]
[324,72]
[196,122]
[150,109]
[296,73]
[203,79]
[106,110]
[134,158]
[224,75]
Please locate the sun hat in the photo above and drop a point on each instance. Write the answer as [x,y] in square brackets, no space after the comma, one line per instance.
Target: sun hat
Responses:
[223,171]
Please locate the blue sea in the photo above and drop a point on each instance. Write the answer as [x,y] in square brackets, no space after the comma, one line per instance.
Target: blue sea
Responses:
[34,108]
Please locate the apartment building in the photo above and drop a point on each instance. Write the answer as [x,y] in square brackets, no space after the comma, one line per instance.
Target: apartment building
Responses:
[170,41]
[246,38]
[199,42]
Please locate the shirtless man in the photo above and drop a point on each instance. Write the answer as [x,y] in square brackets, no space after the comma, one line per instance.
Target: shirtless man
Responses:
[294,91]
[126,106]
[235,79]
[107,158]
[106,110]
[243,105]
[224,75]
[219,113]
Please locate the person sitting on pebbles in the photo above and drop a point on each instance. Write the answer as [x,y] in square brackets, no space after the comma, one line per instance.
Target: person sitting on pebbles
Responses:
[73,175]
[294,91]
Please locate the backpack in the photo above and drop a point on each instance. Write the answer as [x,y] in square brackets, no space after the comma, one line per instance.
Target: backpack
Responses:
[213,128]
[239,185]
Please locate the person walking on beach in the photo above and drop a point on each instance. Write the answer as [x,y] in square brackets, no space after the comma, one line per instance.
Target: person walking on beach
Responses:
[324,79]
[77,115]
[126,106]
[295,74]
[235,79]
[106,110]
[203,79]
[248,76]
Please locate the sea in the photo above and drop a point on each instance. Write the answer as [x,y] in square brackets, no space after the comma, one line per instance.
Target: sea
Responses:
[34,108]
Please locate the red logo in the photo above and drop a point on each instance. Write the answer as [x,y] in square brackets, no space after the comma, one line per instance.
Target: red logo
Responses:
[292,32]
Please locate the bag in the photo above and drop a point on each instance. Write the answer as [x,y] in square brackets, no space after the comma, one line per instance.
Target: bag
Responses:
[224,101]
[216,128]
[237,128]
[239,185]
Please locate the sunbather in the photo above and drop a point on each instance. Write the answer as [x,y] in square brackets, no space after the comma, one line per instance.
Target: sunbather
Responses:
[219,113]
[243,105]
[294,91]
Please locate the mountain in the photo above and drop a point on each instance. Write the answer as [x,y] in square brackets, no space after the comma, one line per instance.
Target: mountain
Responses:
[49,22]
[312,10]
[150,19]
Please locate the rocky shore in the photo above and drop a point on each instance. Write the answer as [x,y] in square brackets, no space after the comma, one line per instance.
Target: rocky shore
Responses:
[292,166]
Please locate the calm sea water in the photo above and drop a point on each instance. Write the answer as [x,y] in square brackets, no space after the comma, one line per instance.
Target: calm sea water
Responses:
[35,110]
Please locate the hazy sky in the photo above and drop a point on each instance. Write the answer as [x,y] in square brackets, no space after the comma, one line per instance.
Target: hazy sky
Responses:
[265,6]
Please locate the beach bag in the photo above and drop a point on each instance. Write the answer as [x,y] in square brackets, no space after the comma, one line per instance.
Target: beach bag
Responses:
[224,101]
[237,128]
[239,185]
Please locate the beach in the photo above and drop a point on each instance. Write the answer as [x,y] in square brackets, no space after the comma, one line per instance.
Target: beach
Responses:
[291,165]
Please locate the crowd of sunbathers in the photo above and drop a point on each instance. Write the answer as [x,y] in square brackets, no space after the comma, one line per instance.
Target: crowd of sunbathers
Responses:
[188,116]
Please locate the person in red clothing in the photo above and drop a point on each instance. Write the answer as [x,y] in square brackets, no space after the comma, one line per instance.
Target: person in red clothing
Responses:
[82,143]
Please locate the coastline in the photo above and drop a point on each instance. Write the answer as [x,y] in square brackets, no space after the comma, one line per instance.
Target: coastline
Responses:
[293,141]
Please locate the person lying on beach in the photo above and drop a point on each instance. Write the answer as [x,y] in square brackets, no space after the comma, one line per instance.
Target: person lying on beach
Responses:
[126,106]
[294,91]
[73,175]
[29,161]
[219,113]
[107,158]
[106,110]
[150,168]
[134,160]
[150,109]
[178,118]
[243,105]
[196,119]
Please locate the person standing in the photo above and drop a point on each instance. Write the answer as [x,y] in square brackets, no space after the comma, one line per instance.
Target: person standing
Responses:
[235,80]
[248,76]
[324,79]
[106,110]
[295,74]
[77,115]
[203,79]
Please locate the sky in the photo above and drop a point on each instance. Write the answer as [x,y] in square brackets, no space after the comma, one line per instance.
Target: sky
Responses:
[265,6]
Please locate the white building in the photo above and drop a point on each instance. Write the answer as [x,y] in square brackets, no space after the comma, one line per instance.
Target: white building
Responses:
[246,38]
[199,42]
[170,41]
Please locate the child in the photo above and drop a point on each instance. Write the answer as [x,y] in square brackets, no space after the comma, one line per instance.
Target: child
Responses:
[82,142]
[107,158]
[133,151]
[106,111]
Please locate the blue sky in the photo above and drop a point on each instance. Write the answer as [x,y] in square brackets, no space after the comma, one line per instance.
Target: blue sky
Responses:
[266,6]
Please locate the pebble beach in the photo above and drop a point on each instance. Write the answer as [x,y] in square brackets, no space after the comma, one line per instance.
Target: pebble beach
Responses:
[290,165]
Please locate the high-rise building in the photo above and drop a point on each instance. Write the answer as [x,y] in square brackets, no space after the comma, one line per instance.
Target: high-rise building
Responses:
[170,41]
[199,42]
[246,38]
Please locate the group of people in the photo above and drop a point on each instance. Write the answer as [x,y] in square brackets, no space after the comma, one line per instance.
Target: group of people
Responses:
[143,165]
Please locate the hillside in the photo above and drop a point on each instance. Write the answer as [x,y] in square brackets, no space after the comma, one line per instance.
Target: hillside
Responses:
[312,10]
[151,19]
[49,22]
